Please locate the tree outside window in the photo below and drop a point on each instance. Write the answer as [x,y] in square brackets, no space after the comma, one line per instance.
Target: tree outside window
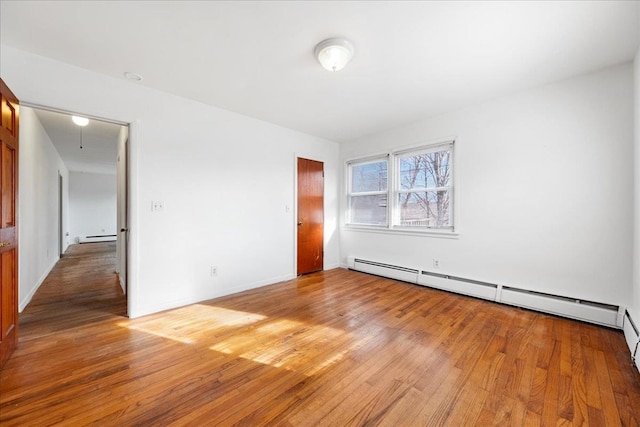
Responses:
[424,189]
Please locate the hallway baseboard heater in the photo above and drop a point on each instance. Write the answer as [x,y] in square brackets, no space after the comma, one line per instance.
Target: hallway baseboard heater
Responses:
[98,238]
[574,308]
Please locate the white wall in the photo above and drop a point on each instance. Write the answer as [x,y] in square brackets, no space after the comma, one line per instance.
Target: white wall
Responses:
[92,204]
[39,168]
[121,177]
[635,309]
[226,181]
[545,190]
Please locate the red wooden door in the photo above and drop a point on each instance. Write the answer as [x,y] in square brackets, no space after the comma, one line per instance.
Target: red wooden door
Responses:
[8,223]
[310,216]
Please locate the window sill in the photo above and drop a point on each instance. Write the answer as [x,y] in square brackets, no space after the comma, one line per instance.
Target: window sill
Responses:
[443,234]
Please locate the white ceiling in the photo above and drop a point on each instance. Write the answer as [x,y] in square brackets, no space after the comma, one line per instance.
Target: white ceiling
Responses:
[99,142]
[413,59]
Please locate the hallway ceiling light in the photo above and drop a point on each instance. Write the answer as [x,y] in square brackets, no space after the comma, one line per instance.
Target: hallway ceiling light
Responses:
[80,121]
[333,54]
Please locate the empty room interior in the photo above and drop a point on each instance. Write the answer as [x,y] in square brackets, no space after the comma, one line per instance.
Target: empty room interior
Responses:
[320,213]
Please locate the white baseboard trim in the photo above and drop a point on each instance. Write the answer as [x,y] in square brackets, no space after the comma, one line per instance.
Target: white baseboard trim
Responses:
[27,298]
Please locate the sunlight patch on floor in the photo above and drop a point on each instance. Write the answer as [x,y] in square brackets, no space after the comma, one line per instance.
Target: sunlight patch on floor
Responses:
[281,343]
[192,324]
[284,343]
[249,339]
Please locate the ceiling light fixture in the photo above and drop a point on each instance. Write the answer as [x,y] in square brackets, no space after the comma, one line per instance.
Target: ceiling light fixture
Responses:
[80,121]
[333,54]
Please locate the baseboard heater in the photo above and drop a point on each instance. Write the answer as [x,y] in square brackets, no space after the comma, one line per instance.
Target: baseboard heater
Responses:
[589,311]
[575,308]
[100,238]
[459,285]
[632,336]
[387,270]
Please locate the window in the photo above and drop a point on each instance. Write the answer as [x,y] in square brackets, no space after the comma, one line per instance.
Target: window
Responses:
[424,188]
[420,190]
[368,192]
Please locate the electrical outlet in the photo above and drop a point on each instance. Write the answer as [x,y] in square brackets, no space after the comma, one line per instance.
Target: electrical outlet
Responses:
[157,206]
[436,263]
[214,271]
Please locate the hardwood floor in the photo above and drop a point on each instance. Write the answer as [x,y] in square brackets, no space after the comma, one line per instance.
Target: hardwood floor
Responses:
[336,348]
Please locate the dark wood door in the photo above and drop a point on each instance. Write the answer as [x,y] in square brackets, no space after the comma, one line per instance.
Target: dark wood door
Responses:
[8,223]
[310,216]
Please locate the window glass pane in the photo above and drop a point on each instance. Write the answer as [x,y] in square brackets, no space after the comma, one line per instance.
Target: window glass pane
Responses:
[370,210]
[428,170]
[424,209]
[369,177]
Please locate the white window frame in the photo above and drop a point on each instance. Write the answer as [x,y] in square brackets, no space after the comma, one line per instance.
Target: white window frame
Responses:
[393,191]
[350,193]
[397,190]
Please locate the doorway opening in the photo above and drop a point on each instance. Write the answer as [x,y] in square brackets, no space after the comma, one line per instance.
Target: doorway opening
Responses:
[87,201]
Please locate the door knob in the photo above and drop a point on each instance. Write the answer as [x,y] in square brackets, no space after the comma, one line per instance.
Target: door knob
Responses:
[299,223]
[3,244]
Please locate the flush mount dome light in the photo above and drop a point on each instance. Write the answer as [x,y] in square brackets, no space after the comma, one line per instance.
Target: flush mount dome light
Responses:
[80,121]
[333,54]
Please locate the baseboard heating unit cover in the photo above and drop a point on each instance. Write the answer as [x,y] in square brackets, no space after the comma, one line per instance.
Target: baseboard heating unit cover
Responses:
[575,308]
[603,314]
[387,270]
[632,336]
[459,285]
[100,238]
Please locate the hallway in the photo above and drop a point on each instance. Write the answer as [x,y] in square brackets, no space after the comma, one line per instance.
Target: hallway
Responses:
[81,289]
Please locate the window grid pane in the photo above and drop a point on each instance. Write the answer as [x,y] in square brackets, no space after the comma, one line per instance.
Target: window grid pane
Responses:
[425,170]
[425,209]
[370,210]
[369,177]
